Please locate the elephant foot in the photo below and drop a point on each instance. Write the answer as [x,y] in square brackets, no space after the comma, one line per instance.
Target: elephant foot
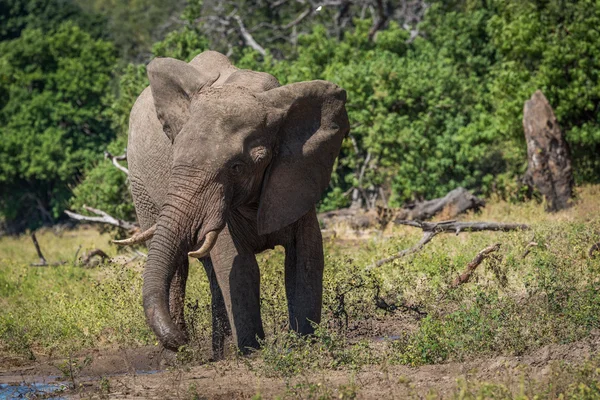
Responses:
[168,358]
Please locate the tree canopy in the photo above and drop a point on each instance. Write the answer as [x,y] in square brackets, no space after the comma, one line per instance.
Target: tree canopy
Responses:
[435,89]
[54,91]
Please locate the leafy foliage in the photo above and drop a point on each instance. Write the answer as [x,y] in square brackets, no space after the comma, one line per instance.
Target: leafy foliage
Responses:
[432,106]
[104,186]
[47,15]
[54,89]
[134,25]
[445,109]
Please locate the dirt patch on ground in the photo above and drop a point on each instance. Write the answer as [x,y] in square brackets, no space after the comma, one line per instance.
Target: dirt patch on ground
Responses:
[142,374]
[383,327]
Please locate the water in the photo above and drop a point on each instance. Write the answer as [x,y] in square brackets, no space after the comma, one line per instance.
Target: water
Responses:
[27,390]
[150,372]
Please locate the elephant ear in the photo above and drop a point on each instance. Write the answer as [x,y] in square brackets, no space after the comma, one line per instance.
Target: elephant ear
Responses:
[312,128]
[173,84]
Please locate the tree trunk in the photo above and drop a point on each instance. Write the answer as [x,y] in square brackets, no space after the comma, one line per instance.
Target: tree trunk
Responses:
[548,153]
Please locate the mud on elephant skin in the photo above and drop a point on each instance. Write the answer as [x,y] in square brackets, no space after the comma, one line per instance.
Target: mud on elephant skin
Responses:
[225,163]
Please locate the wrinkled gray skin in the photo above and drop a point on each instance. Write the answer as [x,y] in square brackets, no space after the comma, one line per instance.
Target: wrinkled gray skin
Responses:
[215,148]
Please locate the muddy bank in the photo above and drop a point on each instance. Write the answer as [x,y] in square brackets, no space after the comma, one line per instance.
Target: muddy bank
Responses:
[143,374]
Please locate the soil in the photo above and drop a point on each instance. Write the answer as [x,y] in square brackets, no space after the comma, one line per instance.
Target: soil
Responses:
[142,373]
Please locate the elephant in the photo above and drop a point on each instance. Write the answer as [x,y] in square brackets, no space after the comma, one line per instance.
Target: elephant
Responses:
[225,163]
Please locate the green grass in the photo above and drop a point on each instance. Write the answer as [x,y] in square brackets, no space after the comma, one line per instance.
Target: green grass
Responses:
[511,306]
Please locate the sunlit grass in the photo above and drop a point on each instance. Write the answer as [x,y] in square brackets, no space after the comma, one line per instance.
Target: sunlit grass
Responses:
[512,304]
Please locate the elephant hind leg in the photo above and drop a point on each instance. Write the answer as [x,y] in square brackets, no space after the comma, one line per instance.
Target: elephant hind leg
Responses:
[220,323]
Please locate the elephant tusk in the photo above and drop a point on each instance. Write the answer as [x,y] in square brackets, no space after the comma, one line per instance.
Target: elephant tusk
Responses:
[137,238]
[209,242]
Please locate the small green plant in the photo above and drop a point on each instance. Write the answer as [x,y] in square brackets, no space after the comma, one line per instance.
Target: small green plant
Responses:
[105,386]
[72,367]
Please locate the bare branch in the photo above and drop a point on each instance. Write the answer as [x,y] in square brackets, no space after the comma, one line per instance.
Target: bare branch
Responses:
[427,236]
[528,248]
[430,229]
[103,218]
[299,19]
[138,253]
[466,275]
[380,21]
[43,261]
[87,258]
[248,37]
[76,254]
[458,227]
[115,160]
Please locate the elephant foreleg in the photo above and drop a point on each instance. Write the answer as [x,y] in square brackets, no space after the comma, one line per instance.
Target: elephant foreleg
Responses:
[220,323]
[304,274]
[239,279]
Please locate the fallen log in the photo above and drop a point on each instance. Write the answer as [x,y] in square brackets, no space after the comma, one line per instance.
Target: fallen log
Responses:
[431,229]
[456,202]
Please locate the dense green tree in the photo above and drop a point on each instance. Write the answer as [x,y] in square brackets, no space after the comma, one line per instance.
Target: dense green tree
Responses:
[553,46]
[54,91]
[104,186]
[431,108]
[135,25]
[47,15]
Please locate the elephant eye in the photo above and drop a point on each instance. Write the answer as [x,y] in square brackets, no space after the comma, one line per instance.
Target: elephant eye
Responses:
[237,167]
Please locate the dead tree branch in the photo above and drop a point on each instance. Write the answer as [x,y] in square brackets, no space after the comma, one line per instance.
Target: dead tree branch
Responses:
[76,254]
[137,253]
[458,227]
[103,218]
[593,249]
[42,262]
[248,37]
[380,20]
[427,236]
[115,160]
[528,248]
[299,19]
[466,275]
[430,229]
[87,258]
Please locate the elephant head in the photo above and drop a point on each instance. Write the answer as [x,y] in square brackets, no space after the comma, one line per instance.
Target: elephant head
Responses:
[237,141]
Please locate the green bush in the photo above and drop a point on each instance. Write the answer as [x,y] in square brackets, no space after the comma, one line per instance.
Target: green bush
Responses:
[54,91]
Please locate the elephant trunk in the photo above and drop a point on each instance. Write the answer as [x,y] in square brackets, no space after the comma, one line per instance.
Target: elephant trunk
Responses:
[183,223]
